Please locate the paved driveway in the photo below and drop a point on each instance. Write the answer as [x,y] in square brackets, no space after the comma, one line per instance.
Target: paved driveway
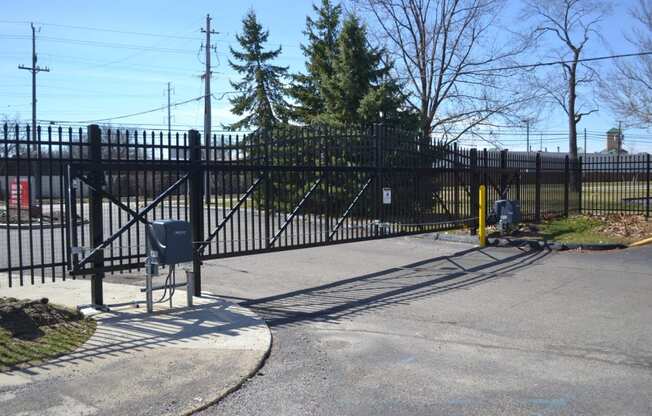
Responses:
[413,326]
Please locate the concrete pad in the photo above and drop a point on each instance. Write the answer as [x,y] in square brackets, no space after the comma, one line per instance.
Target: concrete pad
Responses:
[171,362]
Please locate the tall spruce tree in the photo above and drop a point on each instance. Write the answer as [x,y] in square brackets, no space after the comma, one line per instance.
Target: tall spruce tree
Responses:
[261,98]
[360,90]
[320,51]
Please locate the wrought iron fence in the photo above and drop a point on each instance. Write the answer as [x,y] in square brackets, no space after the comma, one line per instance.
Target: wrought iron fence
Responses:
[616,184]
[92,190]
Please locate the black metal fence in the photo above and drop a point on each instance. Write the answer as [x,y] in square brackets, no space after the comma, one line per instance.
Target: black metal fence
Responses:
[266,191]
[616,184]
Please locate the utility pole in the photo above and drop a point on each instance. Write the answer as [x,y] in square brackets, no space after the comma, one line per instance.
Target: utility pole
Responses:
[207,101]
[541,142]
[584,142]
[527,125]
[35,69]
[207,82]
[169,116]
[620,137]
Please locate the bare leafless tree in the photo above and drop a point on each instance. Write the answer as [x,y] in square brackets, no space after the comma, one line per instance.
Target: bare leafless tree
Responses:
[567,27]
[8,136]
[628,88]
[444,52]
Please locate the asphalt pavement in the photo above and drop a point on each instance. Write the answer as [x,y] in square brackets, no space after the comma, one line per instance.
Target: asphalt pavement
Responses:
[411,326]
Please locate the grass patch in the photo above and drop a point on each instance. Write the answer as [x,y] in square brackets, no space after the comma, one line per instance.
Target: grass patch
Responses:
[579,229]
[37,331]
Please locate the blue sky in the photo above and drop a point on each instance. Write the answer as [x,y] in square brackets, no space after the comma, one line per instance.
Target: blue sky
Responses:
[97,74]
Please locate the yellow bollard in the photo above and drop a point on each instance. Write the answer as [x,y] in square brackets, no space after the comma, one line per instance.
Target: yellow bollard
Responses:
[482,232]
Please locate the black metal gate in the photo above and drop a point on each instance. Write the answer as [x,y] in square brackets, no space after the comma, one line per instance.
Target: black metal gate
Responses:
[267,191]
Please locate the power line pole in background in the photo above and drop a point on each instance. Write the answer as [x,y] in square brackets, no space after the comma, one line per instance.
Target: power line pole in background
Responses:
[169,115]
[207,82]
[207,101]
[620,137]
[35,69]
[584,142]
[527,126]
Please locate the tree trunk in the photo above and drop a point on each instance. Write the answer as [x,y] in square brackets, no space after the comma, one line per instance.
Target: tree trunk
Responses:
[572,127]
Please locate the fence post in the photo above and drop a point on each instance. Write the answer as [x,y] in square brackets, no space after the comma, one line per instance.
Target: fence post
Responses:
[268,185]
[566,184]
[456,183]
[579,179]
[96,219]
[378,137]
[537,189]
[485,176]
[196,203]
[647,186]
[475,189]
[503,174]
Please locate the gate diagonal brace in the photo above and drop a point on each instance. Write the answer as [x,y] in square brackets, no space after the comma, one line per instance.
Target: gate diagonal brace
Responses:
[442,203]
[349,209]
[496,188]
[115,200]
[290,217]
[202,246]
[136,216]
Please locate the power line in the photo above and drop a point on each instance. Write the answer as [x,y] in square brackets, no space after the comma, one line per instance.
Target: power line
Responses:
[124,32]
[136,114]
[561,62]
[81,42]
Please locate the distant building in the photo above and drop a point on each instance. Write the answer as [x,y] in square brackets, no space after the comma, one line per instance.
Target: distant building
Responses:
[614,143]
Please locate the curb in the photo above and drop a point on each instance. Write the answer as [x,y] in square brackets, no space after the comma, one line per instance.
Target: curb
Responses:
[222,394]
[641,242]
[534,244]
[225,392]
[456,238]
[553,245]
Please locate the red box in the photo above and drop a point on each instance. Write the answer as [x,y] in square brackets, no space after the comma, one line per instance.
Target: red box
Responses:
[19,193]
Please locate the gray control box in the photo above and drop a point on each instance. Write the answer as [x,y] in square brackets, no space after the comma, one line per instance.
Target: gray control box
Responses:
[508,214]
[172,239]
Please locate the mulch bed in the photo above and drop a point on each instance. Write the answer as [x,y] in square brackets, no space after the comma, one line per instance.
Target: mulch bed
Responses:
[628,226]
[24,319]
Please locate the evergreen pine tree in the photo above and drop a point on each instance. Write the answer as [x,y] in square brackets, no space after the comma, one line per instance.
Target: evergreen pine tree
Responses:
[358,91]
[386,104]
[261,92]
[306,89]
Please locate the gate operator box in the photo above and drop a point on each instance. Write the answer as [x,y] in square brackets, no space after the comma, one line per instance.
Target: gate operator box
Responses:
[172,239]
[508,214]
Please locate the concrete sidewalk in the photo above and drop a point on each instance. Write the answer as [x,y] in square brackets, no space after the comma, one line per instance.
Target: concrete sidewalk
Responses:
[170,362]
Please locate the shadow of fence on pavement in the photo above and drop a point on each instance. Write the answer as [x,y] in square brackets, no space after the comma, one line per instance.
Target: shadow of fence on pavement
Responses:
[397,285]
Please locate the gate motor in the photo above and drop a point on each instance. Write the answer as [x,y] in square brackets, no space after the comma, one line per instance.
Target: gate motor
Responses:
[169,243]
[506,214]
